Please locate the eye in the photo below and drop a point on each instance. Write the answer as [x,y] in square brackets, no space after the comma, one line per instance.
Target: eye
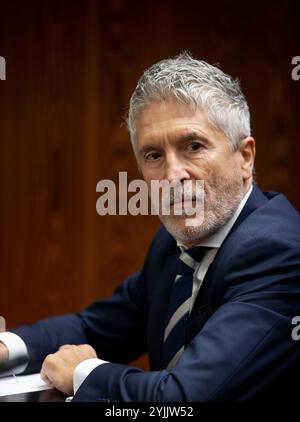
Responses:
[152,156]
[193,146]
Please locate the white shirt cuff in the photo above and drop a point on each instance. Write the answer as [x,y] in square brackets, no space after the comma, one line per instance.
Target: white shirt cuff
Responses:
[16,349]
[83,369]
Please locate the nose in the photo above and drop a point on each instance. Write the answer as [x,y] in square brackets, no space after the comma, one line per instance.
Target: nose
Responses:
[175,169]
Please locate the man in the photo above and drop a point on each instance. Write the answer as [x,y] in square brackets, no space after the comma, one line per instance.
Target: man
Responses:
[214,302]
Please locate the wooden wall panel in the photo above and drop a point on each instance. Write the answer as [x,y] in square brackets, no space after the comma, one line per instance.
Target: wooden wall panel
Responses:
[71,67]
[41,170]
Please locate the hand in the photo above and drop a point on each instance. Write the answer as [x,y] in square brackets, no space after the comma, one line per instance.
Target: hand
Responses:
[3,352]
[57,369]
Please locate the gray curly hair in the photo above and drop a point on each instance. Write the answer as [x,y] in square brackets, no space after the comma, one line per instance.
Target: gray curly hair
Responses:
[197,84]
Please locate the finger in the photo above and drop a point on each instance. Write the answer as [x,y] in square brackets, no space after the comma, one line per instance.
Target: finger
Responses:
[46,379]
[66,346]
[88,349]
[46,368]
[4,354]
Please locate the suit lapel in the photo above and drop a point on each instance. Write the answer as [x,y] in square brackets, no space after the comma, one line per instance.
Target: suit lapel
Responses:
[211,292]
[158,312]
[255,200]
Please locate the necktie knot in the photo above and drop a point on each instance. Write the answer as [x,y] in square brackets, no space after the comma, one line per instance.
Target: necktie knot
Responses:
[197,252]
[191,258]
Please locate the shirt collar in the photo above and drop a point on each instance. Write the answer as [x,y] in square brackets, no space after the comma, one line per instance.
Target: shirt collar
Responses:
[216,240]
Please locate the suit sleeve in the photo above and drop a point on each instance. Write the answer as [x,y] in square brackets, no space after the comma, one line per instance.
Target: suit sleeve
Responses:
[115,327]
[241,349]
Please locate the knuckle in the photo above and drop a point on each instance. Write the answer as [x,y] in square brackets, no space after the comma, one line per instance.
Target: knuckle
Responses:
[89,350]
[65,346]
[87,347]
[50,359]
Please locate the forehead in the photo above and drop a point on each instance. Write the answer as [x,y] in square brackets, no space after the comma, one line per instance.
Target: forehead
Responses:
[167,118]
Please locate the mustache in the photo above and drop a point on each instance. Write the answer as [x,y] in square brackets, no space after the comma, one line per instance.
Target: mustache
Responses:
[183,197]
[194,198]
[181,193]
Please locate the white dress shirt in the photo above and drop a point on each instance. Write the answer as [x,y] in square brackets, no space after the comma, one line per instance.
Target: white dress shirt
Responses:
[17,348]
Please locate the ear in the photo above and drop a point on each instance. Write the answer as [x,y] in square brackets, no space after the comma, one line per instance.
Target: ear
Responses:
[247,152]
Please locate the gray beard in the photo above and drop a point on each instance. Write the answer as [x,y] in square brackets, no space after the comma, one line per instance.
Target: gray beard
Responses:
[223,204]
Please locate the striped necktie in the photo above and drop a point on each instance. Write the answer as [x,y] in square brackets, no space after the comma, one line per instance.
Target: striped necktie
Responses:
[180,304]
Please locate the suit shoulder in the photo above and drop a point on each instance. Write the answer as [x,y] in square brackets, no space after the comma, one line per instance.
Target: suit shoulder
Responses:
[277,220]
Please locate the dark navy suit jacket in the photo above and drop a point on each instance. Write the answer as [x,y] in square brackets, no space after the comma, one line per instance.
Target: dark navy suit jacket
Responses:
[238,339]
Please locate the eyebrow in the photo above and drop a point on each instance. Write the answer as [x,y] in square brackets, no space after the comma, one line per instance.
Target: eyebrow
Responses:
[185,137]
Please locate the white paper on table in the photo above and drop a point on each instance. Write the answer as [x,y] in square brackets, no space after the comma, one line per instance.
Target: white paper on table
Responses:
[21,384]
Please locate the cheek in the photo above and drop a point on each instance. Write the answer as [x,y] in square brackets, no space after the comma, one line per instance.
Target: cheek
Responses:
[149,174]
[215,174]
[144,172]
[203,170]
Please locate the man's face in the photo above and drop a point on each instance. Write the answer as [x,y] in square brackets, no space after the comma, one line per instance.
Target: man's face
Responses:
[176,143]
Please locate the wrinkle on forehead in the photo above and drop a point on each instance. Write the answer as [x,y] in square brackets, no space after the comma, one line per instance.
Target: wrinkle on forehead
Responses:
[160,121]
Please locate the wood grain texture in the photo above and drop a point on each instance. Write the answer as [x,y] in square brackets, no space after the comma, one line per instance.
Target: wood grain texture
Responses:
[71,68]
